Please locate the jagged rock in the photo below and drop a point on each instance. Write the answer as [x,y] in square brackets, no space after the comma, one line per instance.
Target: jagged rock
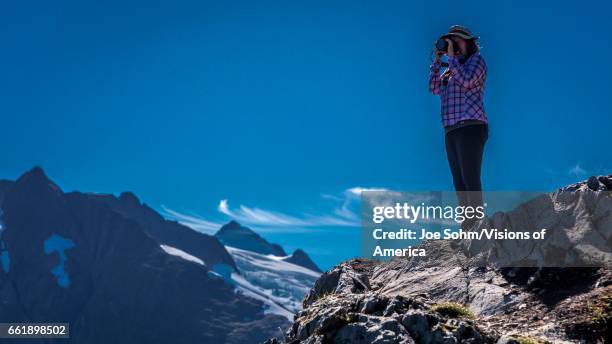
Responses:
[374,304]
[327,283]
[375,330]
[392,302]
[417,323]
[374,318]
[349,277]
[606,181]
[593,183]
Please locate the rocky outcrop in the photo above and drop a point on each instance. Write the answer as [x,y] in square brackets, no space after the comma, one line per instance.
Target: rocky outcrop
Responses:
[342,309]
[348,278]
[375,318]
[445,300]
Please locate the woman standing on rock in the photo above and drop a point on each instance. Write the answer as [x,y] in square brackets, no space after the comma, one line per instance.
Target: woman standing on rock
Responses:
[461,90]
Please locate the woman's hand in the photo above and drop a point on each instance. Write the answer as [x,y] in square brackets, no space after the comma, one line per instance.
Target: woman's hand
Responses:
[451,48]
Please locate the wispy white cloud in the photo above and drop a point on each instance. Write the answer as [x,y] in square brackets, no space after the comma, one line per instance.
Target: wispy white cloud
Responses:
[578,171]
[271,218]
[194,221]
[349,198]
[343,212]
[358,190]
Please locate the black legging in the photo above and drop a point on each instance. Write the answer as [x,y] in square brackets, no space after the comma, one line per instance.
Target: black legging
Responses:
[464,149]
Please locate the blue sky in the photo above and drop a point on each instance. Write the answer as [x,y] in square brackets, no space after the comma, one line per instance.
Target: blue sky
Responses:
[274,112]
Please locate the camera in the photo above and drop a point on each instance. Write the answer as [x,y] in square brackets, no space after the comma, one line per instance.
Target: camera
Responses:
[442,44]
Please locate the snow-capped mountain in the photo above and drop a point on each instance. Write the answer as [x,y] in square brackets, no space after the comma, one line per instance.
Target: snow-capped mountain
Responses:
[98,258]
[278,284]
[244,260]
[281,285]
[265,271]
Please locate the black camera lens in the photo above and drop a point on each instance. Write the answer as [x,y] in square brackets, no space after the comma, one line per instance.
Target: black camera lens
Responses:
[442,44]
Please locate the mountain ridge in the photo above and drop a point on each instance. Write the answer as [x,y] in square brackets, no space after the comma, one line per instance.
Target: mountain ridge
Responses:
[171,233]
[239,236]
[72,258]
[236,235]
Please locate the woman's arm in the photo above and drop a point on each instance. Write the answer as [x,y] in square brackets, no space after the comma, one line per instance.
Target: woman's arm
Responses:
[435,82]
[469,73]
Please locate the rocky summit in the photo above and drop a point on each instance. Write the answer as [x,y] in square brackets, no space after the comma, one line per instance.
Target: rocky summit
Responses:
[405,301]
[235,235]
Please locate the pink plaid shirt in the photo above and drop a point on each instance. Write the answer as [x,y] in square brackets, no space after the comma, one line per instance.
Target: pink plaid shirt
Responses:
[462,92]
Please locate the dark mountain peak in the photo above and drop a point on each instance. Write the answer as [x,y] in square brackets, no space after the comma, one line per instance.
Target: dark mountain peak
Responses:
[234,225]
[129,197]
[236,235]
[299,257]
[32,187]
[233,228]
[37,171]
[36,177]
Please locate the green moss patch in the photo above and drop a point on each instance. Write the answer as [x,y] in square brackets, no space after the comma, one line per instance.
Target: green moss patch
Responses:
[453,310]
[601,311]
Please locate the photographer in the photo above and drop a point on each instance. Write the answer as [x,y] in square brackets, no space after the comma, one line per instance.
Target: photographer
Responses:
[461,90]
